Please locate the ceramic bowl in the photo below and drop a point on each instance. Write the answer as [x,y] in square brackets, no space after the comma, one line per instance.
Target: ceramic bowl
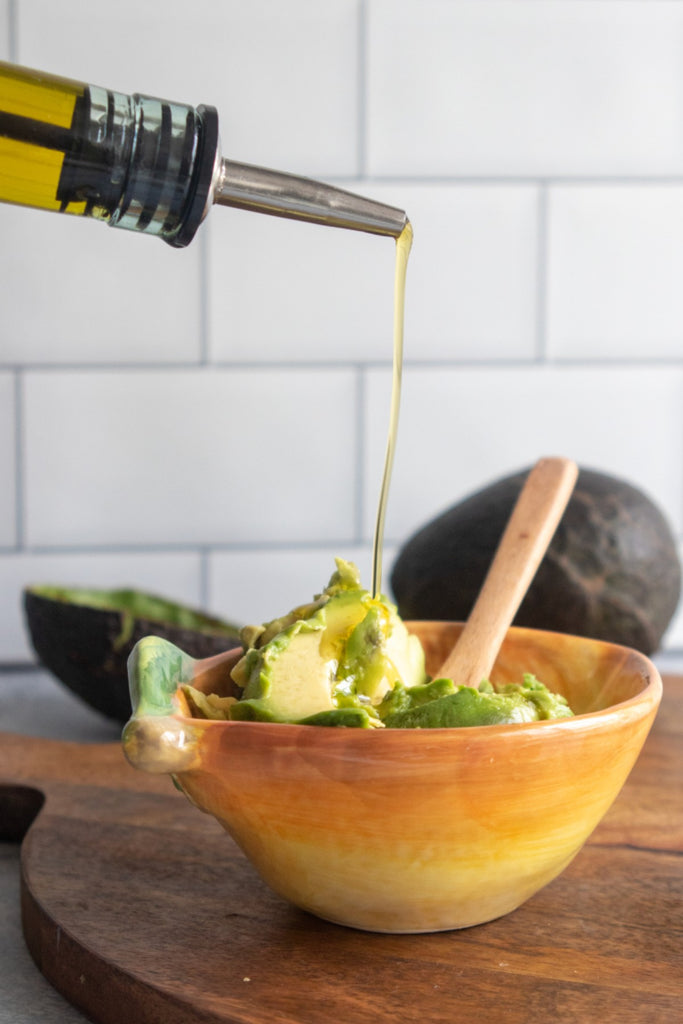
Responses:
[406,830]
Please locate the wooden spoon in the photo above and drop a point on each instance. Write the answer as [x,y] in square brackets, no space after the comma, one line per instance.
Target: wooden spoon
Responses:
[525,541]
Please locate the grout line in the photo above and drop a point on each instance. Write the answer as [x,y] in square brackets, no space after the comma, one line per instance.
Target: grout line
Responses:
[542,275]
[181,548]
[362,89]
[204,554]
[19,482]
[182,366]
[359,478]
[680,506]
[203,242]
[493,179]
[336,365]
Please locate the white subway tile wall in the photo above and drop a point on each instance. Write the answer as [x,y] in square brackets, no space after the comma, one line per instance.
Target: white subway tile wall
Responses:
[480,423]
[471,294]
[518,87]
[8,466]
[79,293]
[285,77]
[4,29]
[283,291]
[211,424]
[173,574]
[616,258]
[254,586]
[197,456]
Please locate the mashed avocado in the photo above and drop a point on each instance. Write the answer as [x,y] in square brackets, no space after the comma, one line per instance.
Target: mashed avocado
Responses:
[347,659]
[443,704]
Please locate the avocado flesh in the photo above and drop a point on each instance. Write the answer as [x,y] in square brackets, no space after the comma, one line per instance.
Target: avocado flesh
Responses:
[136,604]
[289,679]
[441,704]
[346,659]
[329,662]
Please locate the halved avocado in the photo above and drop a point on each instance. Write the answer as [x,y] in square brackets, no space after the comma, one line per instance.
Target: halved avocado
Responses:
[84,637]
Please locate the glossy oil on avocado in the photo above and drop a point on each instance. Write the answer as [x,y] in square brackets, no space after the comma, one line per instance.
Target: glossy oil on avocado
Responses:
[347,659]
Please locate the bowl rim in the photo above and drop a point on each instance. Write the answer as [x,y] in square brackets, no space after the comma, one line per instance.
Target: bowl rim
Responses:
[161,738]
[635,707]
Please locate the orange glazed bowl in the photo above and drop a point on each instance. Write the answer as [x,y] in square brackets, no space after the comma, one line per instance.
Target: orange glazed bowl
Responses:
[406,830]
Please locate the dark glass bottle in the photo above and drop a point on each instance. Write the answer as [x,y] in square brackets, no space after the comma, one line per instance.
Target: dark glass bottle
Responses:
[133,161]
[146,164]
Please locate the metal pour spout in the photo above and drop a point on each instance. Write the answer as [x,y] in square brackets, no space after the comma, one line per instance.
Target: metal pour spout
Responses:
[286,195]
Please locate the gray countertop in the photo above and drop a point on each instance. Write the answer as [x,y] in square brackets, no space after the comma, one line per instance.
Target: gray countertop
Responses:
[33,703]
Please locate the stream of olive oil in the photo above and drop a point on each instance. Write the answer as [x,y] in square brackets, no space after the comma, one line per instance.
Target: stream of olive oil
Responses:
[403,244]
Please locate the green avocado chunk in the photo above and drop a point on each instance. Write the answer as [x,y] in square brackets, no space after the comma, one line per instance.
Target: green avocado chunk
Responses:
[348,718]
[329,662]
[347,660]
[441,704]
[404,699]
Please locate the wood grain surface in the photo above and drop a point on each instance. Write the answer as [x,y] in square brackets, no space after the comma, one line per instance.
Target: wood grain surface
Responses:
[140,909]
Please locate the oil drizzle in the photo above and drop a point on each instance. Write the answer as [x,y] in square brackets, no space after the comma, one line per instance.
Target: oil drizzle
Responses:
[403,245]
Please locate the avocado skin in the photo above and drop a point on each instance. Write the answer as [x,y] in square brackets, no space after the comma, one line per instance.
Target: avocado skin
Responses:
[87,648]
[611,573]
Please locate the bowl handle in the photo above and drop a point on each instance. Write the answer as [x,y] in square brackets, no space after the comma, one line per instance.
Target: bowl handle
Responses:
[155,739]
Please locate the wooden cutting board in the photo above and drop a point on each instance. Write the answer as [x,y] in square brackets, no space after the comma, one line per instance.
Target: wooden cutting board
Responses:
[139,908]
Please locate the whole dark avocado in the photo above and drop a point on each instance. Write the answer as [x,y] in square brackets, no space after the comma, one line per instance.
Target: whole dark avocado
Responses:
[611,572]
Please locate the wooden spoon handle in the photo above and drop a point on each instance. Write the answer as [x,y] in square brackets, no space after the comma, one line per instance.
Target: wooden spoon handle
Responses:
[525,541]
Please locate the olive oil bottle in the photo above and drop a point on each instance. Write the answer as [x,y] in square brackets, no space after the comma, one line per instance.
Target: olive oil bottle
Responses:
[133,161]
[146,164]
[155,167]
